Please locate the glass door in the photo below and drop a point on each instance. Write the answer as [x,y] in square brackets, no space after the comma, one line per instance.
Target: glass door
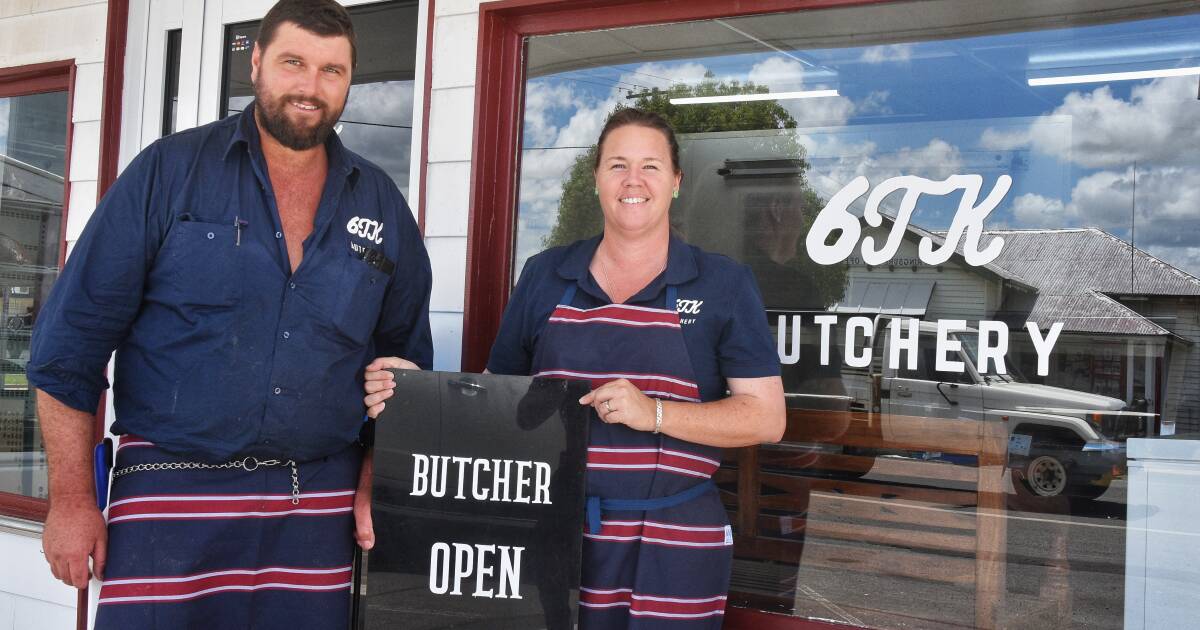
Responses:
[172,80]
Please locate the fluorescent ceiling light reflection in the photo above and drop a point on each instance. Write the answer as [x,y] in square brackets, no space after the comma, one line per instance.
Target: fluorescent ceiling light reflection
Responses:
[1177,49]
[737,98]
[1115,76]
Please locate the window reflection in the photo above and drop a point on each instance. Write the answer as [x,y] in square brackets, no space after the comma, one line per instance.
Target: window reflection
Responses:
[33,134]
[377,121]
[1012,200]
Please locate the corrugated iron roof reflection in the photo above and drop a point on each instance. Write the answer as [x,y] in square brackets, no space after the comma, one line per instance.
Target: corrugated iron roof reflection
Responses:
[1076,261]
[1076,271]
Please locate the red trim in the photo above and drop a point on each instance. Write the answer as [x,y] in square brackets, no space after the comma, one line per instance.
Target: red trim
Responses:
[183,588]
[115,36]
[21,506]
[618,459]
[616,315]
[81,609]
[542,17]
[66,205]
[229,507]
[499,97]
[490,227]
[114,82]
[650,605]
[423,169]
[54,76]
[665,534]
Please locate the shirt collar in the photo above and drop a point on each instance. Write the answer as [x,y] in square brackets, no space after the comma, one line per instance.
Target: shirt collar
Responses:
[245,134]
[681,267]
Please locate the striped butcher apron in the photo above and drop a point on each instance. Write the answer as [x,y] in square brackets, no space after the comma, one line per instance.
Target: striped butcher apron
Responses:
[657,549]
[228,548]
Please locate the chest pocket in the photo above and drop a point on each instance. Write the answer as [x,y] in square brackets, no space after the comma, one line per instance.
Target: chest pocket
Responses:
[360,299]
[199,264]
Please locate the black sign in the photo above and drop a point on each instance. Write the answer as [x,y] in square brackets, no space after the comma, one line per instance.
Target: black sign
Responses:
[478,503]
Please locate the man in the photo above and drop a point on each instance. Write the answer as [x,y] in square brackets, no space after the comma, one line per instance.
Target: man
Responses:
[245,272]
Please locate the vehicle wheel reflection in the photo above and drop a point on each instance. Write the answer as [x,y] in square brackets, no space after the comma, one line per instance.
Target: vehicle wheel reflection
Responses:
[1046,476]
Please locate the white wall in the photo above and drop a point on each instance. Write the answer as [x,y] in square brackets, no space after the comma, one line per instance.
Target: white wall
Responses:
[447,183]
[30,599]
[39,31]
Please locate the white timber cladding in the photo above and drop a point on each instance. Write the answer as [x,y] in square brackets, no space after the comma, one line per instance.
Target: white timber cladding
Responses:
[33,32]
[30,598]
[447,183]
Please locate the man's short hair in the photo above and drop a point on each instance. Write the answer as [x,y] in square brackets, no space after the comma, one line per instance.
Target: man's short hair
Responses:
[326,18]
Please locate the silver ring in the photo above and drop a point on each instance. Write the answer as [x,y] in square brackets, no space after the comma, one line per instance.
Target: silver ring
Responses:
[608,406]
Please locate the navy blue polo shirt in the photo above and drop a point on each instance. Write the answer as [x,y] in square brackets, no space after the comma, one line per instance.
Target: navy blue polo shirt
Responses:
[221,350]
[723,320]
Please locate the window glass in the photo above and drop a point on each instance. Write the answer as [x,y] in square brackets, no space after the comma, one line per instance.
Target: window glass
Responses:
[171,81]
[377,121]
[33,141]
[1017,187]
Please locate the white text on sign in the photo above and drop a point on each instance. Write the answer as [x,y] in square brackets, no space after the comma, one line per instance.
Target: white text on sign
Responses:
[450,564]
[505,480]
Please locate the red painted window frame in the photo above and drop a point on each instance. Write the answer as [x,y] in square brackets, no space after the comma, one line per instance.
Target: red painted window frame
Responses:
[54,76]
[495,166]
[499,93]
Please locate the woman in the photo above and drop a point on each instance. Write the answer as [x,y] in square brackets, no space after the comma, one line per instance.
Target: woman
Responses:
[657,549]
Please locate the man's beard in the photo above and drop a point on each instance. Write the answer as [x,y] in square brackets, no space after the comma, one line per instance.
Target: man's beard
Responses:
[272,114]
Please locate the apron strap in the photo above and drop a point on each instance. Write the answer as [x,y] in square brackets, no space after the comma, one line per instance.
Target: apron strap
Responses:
[595,504]
[568,296]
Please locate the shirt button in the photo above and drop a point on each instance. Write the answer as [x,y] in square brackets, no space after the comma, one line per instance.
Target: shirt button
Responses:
[286,334]
[291,285]
[279,235]
[278,391]
[211,236]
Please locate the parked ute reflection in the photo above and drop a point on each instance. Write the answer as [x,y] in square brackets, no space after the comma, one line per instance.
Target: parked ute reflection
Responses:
[1064,441]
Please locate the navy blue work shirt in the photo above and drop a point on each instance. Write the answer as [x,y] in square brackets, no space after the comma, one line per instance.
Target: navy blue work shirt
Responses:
[222,351]
[721,312]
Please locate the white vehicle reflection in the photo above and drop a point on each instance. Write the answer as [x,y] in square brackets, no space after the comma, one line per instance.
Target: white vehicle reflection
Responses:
[1064,441]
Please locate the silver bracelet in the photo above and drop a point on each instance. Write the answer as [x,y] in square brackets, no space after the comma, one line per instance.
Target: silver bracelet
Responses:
[657,416]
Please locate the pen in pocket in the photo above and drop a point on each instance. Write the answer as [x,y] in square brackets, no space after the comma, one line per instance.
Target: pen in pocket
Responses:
[238,224]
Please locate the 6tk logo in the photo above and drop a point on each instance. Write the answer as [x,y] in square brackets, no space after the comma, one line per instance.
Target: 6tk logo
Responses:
[367,228]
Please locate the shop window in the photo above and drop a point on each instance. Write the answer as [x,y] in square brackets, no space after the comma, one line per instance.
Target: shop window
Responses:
[1021,183]
[34,123]
[377,121]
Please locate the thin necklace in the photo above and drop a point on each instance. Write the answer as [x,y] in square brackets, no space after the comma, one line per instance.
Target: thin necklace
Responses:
[608,281]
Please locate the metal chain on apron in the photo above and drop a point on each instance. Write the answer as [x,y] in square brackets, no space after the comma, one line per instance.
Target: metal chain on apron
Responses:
[248,464]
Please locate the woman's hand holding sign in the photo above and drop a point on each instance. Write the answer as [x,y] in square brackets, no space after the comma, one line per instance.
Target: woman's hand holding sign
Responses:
[621,402]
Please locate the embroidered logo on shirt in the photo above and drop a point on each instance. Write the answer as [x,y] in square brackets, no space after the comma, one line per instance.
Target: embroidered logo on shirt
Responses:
[366,228]
[688,307]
